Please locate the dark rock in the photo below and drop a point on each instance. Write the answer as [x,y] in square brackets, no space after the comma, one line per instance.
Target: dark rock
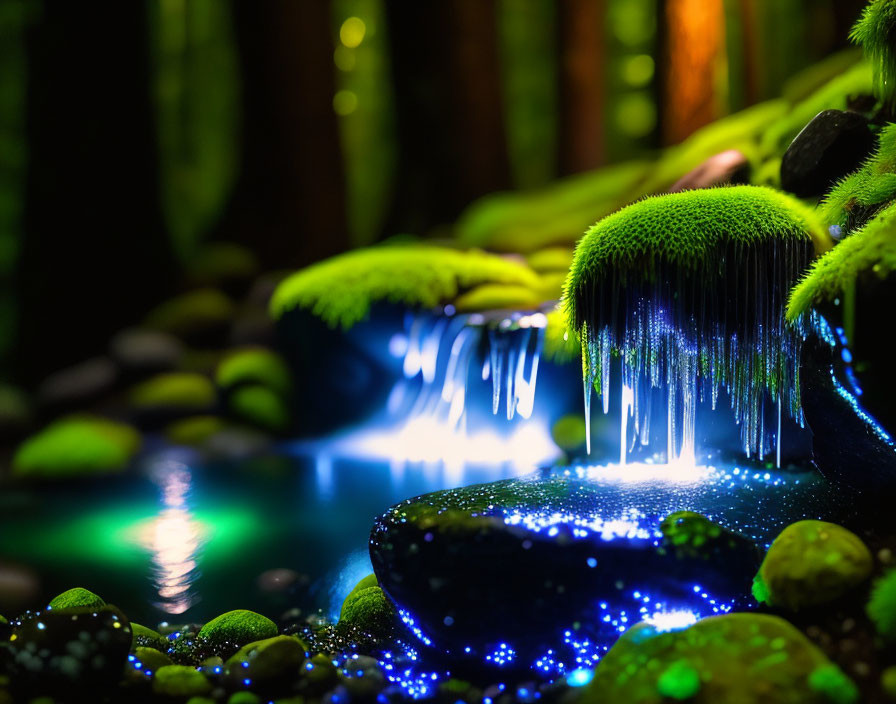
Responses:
[252,326]
[730,166]
[78,386]
[145,352]
[69,650]
[506,571]
[832,145]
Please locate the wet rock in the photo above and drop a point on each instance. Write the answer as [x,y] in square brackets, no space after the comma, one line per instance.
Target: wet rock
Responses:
[145,352]
[362,677]
[810,563]
[738,657]
[726,167]
[200,317]
[69,650]
[19,587]
[77,386]
[832,145]
[503,571]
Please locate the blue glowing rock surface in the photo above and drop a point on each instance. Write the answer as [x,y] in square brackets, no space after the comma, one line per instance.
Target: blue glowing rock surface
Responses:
[547,570]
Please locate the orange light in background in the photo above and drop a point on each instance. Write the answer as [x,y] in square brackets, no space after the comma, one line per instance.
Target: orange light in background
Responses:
[695,42]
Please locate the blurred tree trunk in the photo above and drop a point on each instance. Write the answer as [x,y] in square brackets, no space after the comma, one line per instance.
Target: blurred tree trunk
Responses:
[692,42]
[749,33]
[582,47]
[95,254]
[449,118]
[289,200]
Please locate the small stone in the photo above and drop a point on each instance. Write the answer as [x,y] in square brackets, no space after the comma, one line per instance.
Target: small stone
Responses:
[730,166]
[832,145]
[180,681]
[78,386]
[144,352]
[267,661]
[810,563]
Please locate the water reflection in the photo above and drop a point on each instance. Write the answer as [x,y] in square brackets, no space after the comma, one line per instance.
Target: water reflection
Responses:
[175,538]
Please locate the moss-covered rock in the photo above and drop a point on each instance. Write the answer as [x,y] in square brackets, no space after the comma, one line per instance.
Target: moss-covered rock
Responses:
[341,290]
[180,681]
[736,658]
[876,32]
[222,264]
[147,638]
[232,630]
[551,259]
[244,698]
[254,365]
[174,390]
[810,563]
[499,297]
[194,430]
[881,607]
[268,661]
[193,316]
[260,406]
[76,598]
[687,534]
[365,583]
[75,446]
[869,251]
[152,659]
[369,611]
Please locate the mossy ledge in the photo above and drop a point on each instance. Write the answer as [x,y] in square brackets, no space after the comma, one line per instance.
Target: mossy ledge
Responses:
[341,290]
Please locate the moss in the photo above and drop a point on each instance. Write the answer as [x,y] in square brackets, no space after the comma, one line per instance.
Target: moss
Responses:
[805,82]
[77,445]
[152,659]
[744,657]
[194,430]
[835,94]
[369,611]
[499,297]
[244,698]
[876,32]
[810,563]
[268,660]
[871,249]
[568,432]
[254,365]
[690,535]
[148,638]
[551,259]
[530,220]
[881,606]
[74,598]
[365,583]
[836,687]
[888,681]
[259,406]
[341,290]
[859,195]
[181,390]
[234,629]
[192,312]
[180,681]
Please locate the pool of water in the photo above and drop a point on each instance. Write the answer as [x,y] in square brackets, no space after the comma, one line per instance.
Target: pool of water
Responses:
[182,541]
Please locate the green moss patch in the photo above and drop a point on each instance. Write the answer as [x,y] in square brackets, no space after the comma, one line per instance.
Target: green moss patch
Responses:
[881,607]
[341,290]
[75,446]
[254,365]
[180,390]
[234,629]
[260,406]
[810,563]
[180,681]
[876,32]
[147,638]
[369,611]
[733,658]
[76,598]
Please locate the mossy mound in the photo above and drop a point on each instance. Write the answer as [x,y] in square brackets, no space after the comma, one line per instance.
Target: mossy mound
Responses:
[369,611]
[192,314]
[257,365]
[551,259]
[77,445]
[691,535]
[76,598]
[267,661]
[365,583]
[152,659]
[147,638]
[736,658]
[690,233]
[234,629]
[870,250]
[194,430]
[180,681]
[811,563]
[259,406]
[876,32]
[174,390]
[341,290]
[860,195]
[881,607]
